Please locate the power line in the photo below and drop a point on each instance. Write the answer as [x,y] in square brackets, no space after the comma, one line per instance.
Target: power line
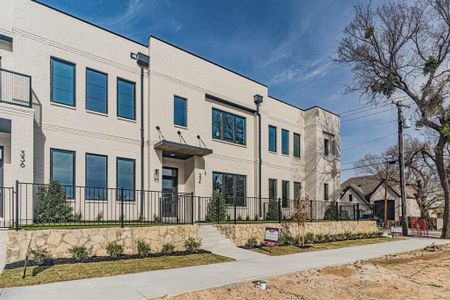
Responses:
[368,115]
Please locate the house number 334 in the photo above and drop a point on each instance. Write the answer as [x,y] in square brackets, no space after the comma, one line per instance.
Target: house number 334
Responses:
[22,158]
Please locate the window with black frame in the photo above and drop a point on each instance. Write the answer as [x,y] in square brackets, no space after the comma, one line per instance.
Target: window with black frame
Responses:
[297,152]
[284,141]
[62,169]
[228,127]
[297,190]
[272,188]
[96,177]
[284,193]
[272,138]
[231,186]
[125,178]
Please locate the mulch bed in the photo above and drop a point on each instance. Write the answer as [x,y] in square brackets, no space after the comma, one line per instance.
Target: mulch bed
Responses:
[66,261]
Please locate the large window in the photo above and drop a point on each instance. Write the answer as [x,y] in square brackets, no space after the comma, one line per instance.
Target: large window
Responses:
[180,111]
[62,82]
[285,141]
[126,99]
[272,138]
[297,151]
[297,190]
[96,177]
[125,178]
[326,146]
[231,186]
[96,91]
[62,169]
[273,188]
[228,127]
[326,192]
[284,193]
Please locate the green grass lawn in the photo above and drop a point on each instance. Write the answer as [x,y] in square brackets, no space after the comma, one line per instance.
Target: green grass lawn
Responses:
[284,250]
[47,274]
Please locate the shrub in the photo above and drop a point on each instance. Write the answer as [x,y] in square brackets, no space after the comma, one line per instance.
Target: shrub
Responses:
[216,209]
[157,218]
[273,210]
[192,245]
[114,249]
[41,256]
[256,217]
[99,216]
[78,216]
[339,237]
[331,213]
[141,218]
[143,248]
[309,237]
[80,253]
[348,235]
[247,218]
[168,248]
[51,204]
[251,243]
[239,218]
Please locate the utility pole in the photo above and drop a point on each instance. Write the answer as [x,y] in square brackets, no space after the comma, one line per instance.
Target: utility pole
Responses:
[401,160]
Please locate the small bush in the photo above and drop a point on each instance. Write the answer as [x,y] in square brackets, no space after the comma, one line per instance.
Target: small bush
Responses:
[217,208]
[41,256]
[348,235]
[339,237]
[247,218]
[80,253]
[78,216]
[192,245]
[143,248]
[114,249]
[157,218]
[168,248]
[51,205]
[99,216]
[141,218]
[251,243]
[309,237]
[239,218]
[256,217]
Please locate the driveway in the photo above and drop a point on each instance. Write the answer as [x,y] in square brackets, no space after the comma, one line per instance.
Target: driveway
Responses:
[171,282]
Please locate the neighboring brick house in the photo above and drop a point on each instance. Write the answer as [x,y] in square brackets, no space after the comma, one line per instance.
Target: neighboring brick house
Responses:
[368,191]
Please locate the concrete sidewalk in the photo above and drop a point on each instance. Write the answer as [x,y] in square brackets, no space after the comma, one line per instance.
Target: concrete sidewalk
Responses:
[171,282]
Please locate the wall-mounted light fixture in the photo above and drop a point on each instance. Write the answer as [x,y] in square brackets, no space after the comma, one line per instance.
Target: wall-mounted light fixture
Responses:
[156,175]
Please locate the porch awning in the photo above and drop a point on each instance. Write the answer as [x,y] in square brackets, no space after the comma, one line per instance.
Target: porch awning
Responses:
[181,151]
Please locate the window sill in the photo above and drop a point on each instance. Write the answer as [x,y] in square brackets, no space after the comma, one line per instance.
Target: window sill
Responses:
[126,120]
[273,152]
[180,127]
[97,113]
[63,105]
[229,143]
[285,155]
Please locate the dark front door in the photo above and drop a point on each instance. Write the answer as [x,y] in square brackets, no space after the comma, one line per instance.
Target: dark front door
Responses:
[169,200]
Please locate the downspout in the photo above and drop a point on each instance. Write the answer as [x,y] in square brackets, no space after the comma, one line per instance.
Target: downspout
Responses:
[258,100]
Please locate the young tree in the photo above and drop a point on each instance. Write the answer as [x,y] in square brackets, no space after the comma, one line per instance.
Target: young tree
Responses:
[402,49]
[301,216]
[51,206]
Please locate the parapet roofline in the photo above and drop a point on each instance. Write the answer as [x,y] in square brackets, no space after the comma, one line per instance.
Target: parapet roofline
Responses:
[303,109]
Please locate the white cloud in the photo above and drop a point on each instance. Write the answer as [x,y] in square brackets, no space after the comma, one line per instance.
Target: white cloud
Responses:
[128,17]
[303,75]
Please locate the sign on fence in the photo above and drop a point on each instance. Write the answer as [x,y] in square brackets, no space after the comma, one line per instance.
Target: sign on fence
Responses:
[271,236]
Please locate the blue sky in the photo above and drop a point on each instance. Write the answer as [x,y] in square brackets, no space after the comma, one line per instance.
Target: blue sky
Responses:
[286,44]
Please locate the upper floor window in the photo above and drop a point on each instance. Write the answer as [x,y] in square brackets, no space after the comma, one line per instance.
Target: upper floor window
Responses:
[62,82]
[125,178]
[326,146]
[326,192]
[285,141]
[297,145]
[96,91]
[272,138]
[231,186]
[96,177]
[350,197]
[62,169]
[228,127]
[180,111]
[272,188]
[126,99]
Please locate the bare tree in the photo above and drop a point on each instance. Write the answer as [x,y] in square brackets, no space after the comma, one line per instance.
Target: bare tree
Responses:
[301,217]
[402,49]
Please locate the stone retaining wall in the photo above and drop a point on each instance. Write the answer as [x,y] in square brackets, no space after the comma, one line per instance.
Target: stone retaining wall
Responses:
[240,233]
[58,241]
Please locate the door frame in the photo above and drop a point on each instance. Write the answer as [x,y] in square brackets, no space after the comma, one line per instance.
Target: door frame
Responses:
[171,201]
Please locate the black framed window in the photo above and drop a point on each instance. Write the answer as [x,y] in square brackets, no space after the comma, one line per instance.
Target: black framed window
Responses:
[350,197]
[96,91]
[273,188]
[126,99]
[231,186]
[285,141]
[62,169]
[96,177]
[284,193]
[125,177]
[180,111]
[326,146]
[326,192]
[228,127]
[62,82]
[297,151]
[297,190]
[272,138]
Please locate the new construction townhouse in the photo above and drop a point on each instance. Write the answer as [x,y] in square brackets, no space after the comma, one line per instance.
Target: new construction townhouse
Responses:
[151,124]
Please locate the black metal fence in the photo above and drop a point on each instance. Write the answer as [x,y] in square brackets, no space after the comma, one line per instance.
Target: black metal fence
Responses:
[31,204]
[15,88]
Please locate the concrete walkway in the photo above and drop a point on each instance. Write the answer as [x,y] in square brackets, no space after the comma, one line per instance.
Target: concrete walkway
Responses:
[171,282]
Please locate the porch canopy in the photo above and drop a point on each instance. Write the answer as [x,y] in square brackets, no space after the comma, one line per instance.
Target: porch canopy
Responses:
[180,150]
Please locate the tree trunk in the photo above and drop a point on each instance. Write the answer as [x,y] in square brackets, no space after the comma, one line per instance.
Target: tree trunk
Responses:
[443,177]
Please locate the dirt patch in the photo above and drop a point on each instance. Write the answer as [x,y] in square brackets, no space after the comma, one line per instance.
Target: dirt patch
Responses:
[423,274]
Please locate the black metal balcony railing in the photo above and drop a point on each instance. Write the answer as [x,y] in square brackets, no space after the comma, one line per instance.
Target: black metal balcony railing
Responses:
[15,88]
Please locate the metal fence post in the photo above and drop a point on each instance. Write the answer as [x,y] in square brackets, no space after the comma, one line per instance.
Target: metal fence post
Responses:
[357,211]
[235,211]
[218,209]
[337,211]
[279,210]
[192,208]
[354,211]
[121,208]
[17,205]
[311,209]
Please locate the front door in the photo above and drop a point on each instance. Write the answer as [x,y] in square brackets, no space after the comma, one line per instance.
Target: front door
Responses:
[169,203]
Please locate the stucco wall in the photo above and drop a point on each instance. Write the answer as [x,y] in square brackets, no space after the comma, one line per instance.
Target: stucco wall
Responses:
[58,242]
[240,233]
